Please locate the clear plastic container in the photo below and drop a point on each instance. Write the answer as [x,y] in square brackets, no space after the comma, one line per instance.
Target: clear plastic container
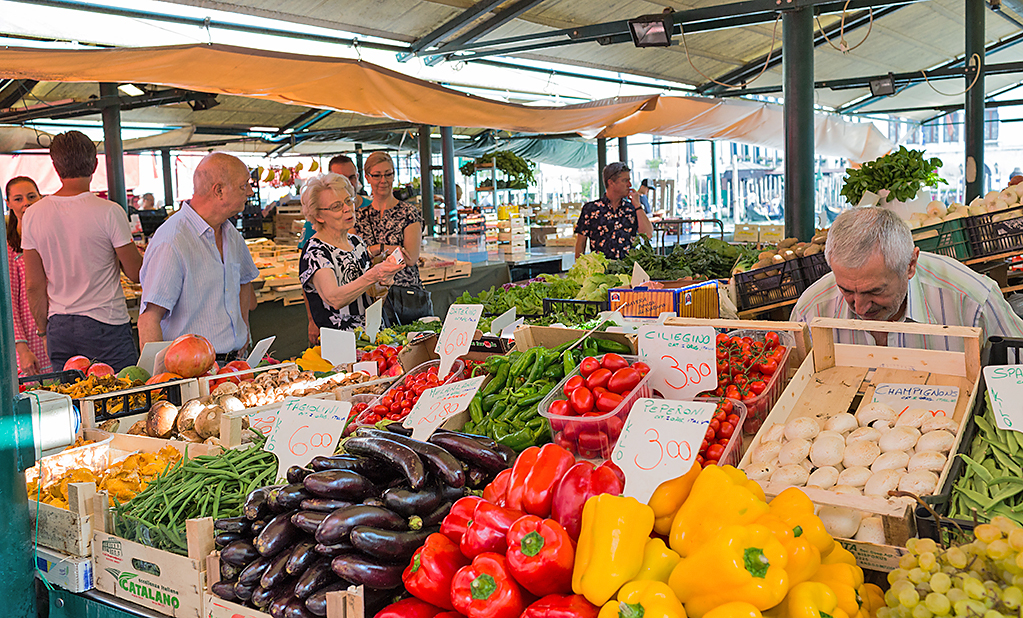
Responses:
[457,373]
[591,437]
[733,450]
[760,406]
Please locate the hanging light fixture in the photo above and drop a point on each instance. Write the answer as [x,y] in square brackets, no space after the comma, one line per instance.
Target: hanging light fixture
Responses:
[652,30]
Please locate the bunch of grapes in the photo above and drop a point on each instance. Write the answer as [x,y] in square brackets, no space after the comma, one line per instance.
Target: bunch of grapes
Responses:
[981,579]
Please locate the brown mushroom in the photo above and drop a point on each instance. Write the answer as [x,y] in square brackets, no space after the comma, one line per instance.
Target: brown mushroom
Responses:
[188,414]
[161,418]
[207,424]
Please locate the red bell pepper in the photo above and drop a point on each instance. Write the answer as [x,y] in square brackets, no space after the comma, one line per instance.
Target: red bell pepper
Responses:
[534,477]
[449,615]
[581,482]
[428,576]
[497,491]
[409,608]
[488,530]
[458,518]
[485,589]
[517,481]
[560,606]
[540,555]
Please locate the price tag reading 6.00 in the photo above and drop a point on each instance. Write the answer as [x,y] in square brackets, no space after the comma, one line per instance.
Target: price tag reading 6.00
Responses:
[304,428]
[456,335]
[682,360]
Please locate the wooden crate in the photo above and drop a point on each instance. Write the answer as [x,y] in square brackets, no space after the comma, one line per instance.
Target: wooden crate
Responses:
[800,332]
[527,337]
[429,274]
[204,381]
[459,271]
[834,376]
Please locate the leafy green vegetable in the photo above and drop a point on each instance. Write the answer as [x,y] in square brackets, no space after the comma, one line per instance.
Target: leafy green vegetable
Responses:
[902,172]
[587,265]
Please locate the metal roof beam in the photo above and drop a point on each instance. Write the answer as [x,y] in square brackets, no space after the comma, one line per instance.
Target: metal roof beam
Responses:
[305,121]
[13,90]
[450,27]
[95,106]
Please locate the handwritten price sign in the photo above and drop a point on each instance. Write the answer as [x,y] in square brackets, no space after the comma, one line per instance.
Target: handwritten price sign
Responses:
[936,399]
[660,441]
[682,360]
[440,403]
[1005,386]
[456,335]
[304,427]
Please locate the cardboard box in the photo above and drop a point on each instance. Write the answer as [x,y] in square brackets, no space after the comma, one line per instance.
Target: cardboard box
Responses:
[527,337]
[73,573]
[695,301]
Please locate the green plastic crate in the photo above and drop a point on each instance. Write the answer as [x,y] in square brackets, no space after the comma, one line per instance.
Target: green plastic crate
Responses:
[945,238]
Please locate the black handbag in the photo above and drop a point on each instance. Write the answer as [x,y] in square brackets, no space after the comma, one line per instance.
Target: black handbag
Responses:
[405,305]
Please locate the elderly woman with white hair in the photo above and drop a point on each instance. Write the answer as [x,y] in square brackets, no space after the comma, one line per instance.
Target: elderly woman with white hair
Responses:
[335,268]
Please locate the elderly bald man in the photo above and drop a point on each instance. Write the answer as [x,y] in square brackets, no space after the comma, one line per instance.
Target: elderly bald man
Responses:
[197,272]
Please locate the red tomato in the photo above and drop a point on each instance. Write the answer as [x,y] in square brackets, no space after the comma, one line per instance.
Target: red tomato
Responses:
[733,419]
[613,362]
[380,410]
[771,340]
[768,367]
[726,430]
[714,451]
[599,378]
[607,402]
[560,407]
[725,405]
[700,461]
[641,367]
[624,379]
[614,426]
[581,400]
[239,365]
[598,390]
[722,339]
[757,386]
[588,366]
[710,462]
[732,392]
[715,424]
[573,383]
[592,440]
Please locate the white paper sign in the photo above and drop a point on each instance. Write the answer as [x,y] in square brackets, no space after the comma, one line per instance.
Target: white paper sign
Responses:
[440,403]
[369,367]
[305,427]
[147,360]
[660,441]
[456,335]
[502,321]
[1005,387]
[259,350]
[683,362]
[639,276]
[509,331]
[337,347]
[374,318]
[936,399]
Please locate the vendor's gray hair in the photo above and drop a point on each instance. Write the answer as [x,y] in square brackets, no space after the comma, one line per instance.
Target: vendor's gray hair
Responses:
[858,232]
[314,188]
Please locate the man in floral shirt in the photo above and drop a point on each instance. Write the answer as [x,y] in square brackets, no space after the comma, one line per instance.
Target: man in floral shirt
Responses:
[611,222]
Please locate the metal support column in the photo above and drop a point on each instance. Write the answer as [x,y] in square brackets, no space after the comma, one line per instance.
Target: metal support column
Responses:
[623,150]
[358,165]
[797,69]
[447,150]
[426,180]
[601,162]
[715,191]
[113,152]
[168,179]
[974,117]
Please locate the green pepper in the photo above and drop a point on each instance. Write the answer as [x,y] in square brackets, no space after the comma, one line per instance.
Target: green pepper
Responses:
[476,408]
[499,429]
[469,426]
[590,347]
[616,347]
[522,363]
[498,409]
[495,362]
[554,372]
[540,362]
[525,415]
[518,440]
[540,429]
[534,399]
[568,362]
[490,400]
[497,382]
[561,348]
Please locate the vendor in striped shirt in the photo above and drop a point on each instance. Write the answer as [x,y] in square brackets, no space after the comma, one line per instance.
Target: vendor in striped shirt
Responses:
[878,274]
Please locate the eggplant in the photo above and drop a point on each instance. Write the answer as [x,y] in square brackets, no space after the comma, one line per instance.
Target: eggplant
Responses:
[229,572]
[339,485]
[368,572]
[257,526]
[470,451]
[317,601]
[326,505]
[438,460]
[448,492]
[261,597]
[243,592]
[277,535]
[272,503]
[277,606]
[232,524]
[334,550]
[397,455]
[308,521]
[375,501]
[337,525]
[314,578]
[477,478]
[367,466]
[295,474]
[226,538]
[275,573]
[296,609]
[291,496]
[408,503]
[239,553]
[299,558]
[435,517]
[251,574]
[256,506]
[225,590]
[389,544]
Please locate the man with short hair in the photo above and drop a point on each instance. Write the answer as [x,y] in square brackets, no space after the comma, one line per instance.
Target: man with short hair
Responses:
[75,244]
[197,273]
[611,222]
[148,202]
[878,274]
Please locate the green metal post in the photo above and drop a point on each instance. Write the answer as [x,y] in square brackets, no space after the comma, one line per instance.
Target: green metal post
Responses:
[168,179]
[113,151]
[601,162]
[797,70]
[17,587]
[426,180]
[715,191]
[447,148]
[974,120]
[623,150]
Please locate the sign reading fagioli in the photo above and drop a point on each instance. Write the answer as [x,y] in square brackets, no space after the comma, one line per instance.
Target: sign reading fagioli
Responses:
[456,335]
[682,360]
[1005,389]
[305,427]
[660,441]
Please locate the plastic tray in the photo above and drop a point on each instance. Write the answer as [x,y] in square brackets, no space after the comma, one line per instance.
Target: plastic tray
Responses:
[589,307]
[457,373]
[989,237]
[759,407]
[770,285]
[57,377]
[599,432]
[733,450]
[945,238]
[814,267]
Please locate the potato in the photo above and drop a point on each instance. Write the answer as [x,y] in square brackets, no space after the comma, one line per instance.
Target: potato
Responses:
[788,242]
[765,255]
[778,259]
[819,238]
[813,249]
[765,262]
[799,251]
[788,254]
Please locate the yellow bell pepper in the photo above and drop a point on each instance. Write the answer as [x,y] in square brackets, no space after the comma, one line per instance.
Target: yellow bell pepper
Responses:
[808,600]
[839,555]
[803,558]
[644,599]
[669,496]
[872,599]
[735,609]
[844,580]
[312,361]
[740,563]
[721,496]
[658,561]
[793,507]
[611,542]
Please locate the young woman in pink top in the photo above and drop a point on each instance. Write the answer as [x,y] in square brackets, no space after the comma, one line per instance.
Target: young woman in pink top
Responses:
[33,359]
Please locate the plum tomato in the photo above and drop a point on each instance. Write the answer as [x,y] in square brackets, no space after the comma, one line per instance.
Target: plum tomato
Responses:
[608,401]
[588,366]
[624,379]
[599,378]
[581,400]
[613,362]
[573,383]
[560,407]
[641,367]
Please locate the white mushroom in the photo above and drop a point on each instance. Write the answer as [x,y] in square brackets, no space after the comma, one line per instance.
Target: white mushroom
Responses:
[793,452]
[892,460]
[839,521]
[790,475]
[802,428]
[874,411]
[828,449]
[899,439]
[760,471]
[856,476]
[823,477]
[880,483]
[934,423]
[927,460]
[847,490]
[919,482]
[913,417]
[863,434]
[841,423]
[766,452]
[938,440]
[860,454]
[871,531]
[774,433]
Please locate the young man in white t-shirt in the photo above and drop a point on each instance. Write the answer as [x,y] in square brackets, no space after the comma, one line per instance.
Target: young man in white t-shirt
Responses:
[75,243]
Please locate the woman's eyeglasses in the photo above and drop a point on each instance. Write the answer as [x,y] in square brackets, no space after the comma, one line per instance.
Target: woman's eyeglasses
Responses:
[340,205]
[381,175]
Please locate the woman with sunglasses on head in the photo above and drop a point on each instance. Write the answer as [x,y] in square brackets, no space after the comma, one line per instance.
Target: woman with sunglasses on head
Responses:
[33,358]
[335,268]
[389,224]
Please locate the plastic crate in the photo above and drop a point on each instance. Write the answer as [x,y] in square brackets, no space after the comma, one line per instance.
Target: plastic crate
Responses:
[733,450]
[990,237]
[586,309]
[47,379]
[759,407]
[946,238]
[602,431]
[770,285]
[814,267]
[457,373]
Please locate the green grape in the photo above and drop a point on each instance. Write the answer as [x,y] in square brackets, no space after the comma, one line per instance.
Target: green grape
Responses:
[949,570]
[1019,560]
[891,598]
[1016,539]
[918,576]
[909,598]
[956,557]
[911,545]
[937,603]
[908,561]
[902,585]
[1017,580]
[927,562]
[997,550]
[883,612]
[1004,524]
[956,594]
[925,545]
[987,533]
[920,611]
[977,547]
[1012,597]
[974,588]
[897,574]
[993,614]
[941,583]
[993,587]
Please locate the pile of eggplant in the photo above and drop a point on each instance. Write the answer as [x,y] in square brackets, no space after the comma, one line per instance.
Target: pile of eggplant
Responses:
[350,519]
